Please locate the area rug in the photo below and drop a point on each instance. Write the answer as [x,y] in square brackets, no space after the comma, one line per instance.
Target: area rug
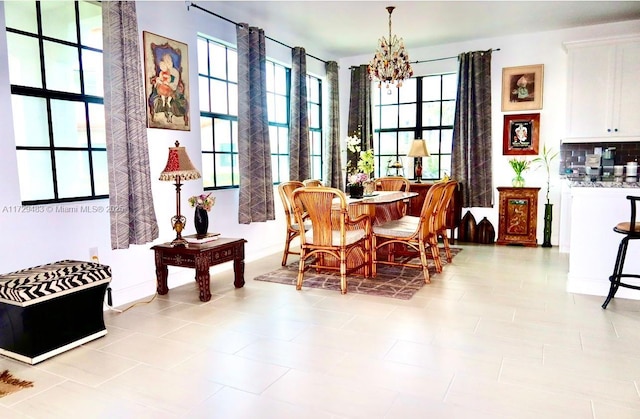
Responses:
[391,281]
[9,384]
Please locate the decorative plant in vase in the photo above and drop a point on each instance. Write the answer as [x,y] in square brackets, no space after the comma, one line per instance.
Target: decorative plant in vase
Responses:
[359,176]
[202,204]
[519,166]
[545,161]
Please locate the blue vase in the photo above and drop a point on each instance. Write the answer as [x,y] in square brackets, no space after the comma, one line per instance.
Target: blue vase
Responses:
[201,221]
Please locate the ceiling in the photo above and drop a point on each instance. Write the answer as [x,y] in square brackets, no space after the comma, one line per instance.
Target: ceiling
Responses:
[349,28]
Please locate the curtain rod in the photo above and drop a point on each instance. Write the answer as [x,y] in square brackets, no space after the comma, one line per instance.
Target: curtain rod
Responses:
[237,24]
[431,60]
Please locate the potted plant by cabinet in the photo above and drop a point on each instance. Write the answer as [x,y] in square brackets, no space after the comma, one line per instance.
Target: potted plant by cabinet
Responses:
[545,161]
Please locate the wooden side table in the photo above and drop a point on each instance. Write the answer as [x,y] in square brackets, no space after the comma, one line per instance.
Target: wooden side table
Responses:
[201,257]
[518,216]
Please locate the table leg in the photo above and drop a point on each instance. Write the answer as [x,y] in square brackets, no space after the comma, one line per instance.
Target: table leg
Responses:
[202,277]
[161,275]
[238,268]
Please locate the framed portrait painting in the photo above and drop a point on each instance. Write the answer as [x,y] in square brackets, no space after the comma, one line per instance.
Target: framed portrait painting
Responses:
[522,88]
[166,73]
[521,134]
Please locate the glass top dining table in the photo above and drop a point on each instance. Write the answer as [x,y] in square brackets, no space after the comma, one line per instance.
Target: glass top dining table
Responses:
[382,206]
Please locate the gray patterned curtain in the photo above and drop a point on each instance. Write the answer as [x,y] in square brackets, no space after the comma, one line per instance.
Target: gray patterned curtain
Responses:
[126,129]
[360,109]
[299,125]
[254,149]
[333,168]
[471,154]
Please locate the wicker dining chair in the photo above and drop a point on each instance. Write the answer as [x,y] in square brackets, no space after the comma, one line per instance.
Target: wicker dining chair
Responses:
[312,182]
[416,233]
[338,239]
[441,223]
[395,183]
[285,189]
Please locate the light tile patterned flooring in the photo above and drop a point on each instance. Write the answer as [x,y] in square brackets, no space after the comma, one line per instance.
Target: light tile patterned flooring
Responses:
[494,336]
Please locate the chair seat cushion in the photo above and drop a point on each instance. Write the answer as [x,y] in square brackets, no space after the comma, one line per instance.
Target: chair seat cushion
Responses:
[626,227]
[307,226]
[351,236]
[402,227]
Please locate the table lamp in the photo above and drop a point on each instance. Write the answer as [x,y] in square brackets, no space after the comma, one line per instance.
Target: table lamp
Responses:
[179,168]
[418,149]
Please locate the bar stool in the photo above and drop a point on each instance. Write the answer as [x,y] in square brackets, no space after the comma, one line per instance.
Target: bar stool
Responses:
[631,231]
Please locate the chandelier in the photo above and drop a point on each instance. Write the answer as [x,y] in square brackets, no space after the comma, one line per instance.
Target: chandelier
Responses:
[390,64]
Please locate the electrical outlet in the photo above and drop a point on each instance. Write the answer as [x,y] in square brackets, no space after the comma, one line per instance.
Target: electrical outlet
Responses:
[93,254]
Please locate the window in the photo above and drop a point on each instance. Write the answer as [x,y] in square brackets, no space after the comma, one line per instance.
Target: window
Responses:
[314,98]
[424,107]
[218,84]
[218,91]
[55,72]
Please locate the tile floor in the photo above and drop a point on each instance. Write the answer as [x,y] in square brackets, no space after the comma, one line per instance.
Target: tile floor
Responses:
[494,336]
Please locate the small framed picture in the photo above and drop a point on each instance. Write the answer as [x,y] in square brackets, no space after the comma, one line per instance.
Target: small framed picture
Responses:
[521,134]
[166,73]
[522,88]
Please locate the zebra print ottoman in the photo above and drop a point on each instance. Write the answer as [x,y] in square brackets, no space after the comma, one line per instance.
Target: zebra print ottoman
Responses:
[49,309]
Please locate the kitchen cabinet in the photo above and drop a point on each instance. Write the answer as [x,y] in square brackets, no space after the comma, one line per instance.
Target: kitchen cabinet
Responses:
[518,213]
[603,90]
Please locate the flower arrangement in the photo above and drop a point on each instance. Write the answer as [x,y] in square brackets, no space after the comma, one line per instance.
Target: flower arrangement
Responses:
[364,166]
[519,165]
[205,201]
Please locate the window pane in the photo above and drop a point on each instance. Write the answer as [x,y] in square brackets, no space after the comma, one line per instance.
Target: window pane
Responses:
[233,99]
[281,116]
[407,116]
[389,117]
[24,60]
[388,143]
[218,96]
[207,171]
[408,91]
[313,90]
[432,138]
[100,172]
[280,80]
[446,139]
[203,57]
[314,116]
[222,134]
[30,121]
[431,88]
[387,96]
[90,24]
[224,171]
[431,114]
[59,20]
[21,15]
[92,68]
[232,65]
[98,132]
[69,124]
[449,86]
[283,140]
[206,134]
[448,112]
[430,169]
[218,60]
[63,70]
[34,172]
[203,92]
[76,182]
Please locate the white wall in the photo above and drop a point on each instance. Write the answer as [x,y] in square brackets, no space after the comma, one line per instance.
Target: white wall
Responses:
[32,238]
[530,49]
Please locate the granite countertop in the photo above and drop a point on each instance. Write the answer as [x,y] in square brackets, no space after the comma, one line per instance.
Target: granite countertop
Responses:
[602,184]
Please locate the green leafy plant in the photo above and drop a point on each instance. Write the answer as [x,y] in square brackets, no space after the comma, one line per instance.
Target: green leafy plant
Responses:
[545,161]
[519,165]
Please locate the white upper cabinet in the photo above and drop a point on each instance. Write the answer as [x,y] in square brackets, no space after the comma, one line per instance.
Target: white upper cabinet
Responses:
[603,90]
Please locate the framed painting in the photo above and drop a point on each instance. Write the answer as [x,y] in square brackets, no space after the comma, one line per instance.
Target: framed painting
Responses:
[166,73]
[521,134]
[522,88]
